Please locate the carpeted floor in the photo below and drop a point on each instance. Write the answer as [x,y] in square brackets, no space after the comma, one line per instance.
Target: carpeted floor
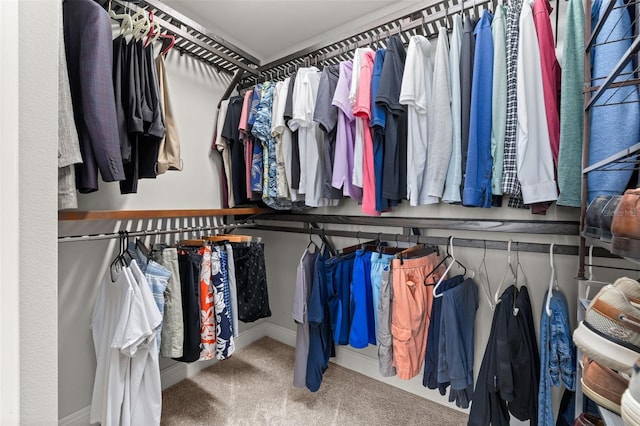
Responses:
[254,387]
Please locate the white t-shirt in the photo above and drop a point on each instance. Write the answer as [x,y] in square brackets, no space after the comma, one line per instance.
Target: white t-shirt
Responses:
[310,137]
[416,94]
[119,327]
[286,139]
[146,388]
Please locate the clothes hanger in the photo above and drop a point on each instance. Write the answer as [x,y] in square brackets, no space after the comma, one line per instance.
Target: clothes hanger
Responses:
[444,274]
[590,280]
[122,259]
[125,18]
[552,280]
[486,290]
[509,269]
[172,41]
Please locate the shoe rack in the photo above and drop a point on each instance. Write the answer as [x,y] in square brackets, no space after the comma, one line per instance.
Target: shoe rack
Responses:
[598,93]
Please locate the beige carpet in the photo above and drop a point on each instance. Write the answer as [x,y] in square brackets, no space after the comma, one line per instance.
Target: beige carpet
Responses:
[254,387]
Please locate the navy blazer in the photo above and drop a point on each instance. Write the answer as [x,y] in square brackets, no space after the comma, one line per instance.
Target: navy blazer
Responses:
[88,45]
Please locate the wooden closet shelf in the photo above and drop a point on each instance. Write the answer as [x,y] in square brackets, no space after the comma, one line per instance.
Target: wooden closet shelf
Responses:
[156,214]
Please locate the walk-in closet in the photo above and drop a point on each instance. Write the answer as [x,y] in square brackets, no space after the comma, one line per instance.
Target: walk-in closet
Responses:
[320,212]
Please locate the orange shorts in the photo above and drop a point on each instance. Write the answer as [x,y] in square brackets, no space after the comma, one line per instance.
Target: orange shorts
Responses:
[411,311]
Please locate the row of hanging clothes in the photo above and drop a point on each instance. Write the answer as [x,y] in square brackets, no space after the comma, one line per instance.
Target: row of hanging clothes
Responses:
[453,120]
[182,302]
[408,302]
[115,108]
[517,373]
[418,306]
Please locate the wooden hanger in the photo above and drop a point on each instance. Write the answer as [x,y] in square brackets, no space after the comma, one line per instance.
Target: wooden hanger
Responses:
[193,243]
[233,238]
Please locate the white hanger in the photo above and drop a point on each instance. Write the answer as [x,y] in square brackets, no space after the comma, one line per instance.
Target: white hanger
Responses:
[141,25]
[453,261]
[590,280]
[126,23]
[486,290]
[496,296]
[552,280]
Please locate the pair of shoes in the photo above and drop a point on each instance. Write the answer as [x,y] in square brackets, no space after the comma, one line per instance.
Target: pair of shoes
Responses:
[610,332]
[586,419]
[602,385]
[599,217]
[630,406]
[625,226]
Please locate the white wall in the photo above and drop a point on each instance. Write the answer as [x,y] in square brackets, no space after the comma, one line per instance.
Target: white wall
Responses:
[28,197]
[9,222]
[195,91]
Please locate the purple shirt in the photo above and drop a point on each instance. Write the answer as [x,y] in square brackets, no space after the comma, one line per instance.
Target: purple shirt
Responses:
[345,136]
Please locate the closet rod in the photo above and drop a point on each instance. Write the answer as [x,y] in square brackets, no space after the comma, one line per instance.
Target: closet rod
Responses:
[363,38]
[440,241]
[155,214]
[517,226]
[183,33]
[112,235]
[158,5]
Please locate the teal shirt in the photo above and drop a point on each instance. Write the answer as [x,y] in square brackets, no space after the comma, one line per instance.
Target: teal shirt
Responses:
[571,107]
[499,97]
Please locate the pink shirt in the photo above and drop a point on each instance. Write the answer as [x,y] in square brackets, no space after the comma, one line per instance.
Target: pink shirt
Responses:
[362,109]
[550,73]
[248,146]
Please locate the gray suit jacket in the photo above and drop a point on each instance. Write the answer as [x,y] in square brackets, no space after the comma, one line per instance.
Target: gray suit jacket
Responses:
[88,45]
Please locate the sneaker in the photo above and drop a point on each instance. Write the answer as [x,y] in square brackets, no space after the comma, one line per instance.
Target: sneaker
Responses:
[625,225]
[603,385]
[610,332]
[630,406]
[630,288]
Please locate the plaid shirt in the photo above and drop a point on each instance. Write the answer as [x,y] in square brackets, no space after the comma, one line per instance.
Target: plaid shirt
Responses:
[510,182]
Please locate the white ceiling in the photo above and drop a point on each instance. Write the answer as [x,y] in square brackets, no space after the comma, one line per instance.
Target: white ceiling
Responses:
[270,29]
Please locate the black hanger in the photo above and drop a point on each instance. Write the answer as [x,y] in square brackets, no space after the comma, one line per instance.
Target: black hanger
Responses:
[123,258]
[448,256]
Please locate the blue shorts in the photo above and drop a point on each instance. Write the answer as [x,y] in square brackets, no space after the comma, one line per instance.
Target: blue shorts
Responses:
[363,330]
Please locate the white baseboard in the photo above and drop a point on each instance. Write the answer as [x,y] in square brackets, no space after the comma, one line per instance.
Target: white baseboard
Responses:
[358,361]
[347,357]
[177,372]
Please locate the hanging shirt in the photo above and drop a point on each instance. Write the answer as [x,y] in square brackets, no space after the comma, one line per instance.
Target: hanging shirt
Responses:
[378,124]
[498,98]
[358,58]
[510,182]
[310,137]
[454,171]
[146,388]
[326,115]
[279,101]
[467,54]
[440,122]
[247,141]
[119,327]
[220,143]
[295,149]
[477,184]
[550,72]
[286,138]
[362,109]
[535,160]
[416,94]
[257,166]
[571,107]
[207,309]
[262,131]
[345,138]
[394,179]
[231,134]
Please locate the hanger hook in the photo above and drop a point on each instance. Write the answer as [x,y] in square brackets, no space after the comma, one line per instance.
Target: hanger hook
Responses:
[509,251]
[358,237]
[451,246]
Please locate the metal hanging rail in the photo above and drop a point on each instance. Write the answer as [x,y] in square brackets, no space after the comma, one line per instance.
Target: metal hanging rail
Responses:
[425,20]
[112,235]
[192,38]
[569,250]
[155,214]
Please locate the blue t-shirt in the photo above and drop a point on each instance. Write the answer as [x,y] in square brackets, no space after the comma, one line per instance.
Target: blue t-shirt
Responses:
[378,113]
